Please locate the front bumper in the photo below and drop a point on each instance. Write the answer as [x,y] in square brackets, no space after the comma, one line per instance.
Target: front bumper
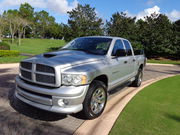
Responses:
[47,98]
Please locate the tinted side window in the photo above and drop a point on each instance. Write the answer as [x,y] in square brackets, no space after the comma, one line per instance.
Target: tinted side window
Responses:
[128,47]
[118,45]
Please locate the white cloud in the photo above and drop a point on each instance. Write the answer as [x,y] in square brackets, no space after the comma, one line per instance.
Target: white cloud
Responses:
[154,9]
[61,6]
[148,12]
[145,12]
[12,3]
[174,15]
[58,6]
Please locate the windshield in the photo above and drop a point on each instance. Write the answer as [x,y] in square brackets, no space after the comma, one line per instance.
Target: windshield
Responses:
[94,45]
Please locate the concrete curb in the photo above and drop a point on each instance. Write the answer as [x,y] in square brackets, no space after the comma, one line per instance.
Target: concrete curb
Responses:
[156,64]
[10,65]
[103,124]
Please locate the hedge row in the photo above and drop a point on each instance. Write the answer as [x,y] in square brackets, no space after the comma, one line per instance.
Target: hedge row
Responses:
[4,53]
[4,46]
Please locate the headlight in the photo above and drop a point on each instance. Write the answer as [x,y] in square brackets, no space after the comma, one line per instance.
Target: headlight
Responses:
[73,79]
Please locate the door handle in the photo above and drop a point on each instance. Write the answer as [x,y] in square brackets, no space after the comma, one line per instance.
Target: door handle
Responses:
[134,60]
[125,62]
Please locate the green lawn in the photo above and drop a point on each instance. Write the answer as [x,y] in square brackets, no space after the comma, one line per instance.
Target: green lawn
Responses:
[32,46]
[153,111]
[164,61]
[37,46]
[11,59]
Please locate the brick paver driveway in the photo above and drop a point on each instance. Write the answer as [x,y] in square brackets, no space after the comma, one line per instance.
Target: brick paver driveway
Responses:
[19,118]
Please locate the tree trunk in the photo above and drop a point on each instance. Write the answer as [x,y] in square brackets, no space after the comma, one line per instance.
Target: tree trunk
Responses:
[20,34]
[12,38]
[0,37]
[19,38]
[11,31]
[24,33]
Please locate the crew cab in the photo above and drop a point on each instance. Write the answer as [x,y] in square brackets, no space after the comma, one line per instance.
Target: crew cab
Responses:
[79,76]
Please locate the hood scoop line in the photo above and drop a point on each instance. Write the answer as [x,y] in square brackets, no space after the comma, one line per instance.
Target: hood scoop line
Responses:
[49,55]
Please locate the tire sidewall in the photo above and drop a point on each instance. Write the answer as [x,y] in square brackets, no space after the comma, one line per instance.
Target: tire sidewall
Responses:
[87,102]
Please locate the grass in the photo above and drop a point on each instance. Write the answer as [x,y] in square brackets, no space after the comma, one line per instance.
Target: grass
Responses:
[153,111]
[11,59]
[32,46]
[37,46]
[166,61]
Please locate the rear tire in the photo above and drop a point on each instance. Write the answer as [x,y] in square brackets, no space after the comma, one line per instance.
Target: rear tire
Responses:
[95,100]
[138,80]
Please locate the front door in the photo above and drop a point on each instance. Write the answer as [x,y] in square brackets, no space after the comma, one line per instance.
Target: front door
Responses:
[119,65]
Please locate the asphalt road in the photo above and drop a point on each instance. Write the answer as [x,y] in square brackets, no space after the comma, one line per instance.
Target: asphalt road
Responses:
[19,118]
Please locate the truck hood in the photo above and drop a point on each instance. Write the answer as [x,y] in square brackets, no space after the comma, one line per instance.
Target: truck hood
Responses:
[65,58]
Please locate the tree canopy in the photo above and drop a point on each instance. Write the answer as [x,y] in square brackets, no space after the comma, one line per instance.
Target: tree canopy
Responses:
[83,21]
[26,11]
[156,34]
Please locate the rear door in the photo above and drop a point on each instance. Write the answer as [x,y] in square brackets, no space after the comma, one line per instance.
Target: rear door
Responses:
[130,59]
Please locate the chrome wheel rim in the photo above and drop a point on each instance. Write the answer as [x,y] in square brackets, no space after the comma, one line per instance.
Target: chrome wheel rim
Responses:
[98,100]
[140,78]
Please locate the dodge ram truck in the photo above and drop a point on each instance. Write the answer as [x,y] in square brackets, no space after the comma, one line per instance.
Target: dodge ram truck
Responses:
[78,77]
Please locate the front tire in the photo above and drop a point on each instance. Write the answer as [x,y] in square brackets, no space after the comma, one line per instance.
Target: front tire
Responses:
[95,100]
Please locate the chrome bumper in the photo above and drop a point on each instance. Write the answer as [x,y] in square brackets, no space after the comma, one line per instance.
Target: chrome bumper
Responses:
[48,98]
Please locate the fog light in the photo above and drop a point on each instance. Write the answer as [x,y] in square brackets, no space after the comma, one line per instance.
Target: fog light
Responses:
[66,101]
[62,102]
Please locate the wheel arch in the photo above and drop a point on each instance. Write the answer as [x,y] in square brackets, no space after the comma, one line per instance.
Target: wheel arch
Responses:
[103,78]
[141,66]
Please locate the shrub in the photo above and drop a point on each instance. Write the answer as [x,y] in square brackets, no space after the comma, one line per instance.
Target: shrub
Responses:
[5,53]
[4,46]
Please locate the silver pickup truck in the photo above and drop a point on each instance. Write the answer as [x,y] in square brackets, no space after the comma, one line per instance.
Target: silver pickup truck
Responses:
[79,76]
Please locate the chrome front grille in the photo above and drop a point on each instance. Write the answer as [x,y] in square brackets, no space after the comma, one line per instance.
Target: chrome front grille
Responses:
[38,73]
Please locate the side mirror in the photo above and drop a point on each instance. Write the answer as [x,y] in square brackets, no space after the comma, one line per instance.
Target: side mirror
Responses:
[120,52]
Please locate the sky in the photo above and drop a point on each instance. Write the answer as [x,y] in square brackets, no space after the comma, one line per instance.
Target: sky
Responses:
[104,8]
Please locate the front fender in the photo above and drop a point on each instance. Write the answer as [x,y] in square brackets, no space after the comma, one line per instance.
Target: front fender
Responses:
[91,70]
